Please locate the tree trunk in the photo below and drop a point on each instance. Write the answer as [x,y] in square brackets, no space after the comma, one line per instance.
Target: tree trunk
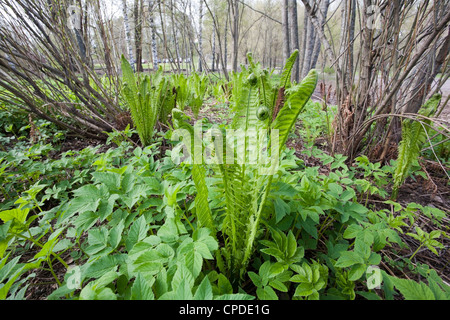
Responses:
[174,35]
[138,9]
[304,43]
[317,46]
[213,49]
[225,46]
[285,28]
[126,24]
[151,5]
[294,41]
[200,38]
[235,30]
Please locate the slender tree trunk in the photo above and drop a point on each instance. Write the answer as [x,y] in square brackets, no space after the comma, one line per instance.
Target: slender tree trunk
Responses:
[213,49]
[309,48]
[235,30]
[317,45]
[304,43]
[225,46]
[294,41]
[126,24]
[138,9]
[174,35]
[154,46]
[200,38]
[286,30]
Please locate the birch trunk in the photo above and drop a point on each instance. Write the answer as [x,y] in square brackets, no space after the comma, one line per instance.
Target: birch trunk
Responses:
[151,5]
[126,24]
[138,34]
[294,41]
[200,38]
[286,31]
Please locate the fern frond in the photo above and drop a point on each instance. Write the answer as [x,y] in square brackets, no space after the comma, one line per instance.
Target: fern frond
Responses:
[141,101]
[295,103]
[414,136]
[287,70]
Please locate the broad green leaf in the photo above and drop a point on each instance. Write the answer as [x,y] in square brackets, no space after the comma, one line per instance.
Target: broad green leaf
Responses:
[304,290]
[183,274]
[266,293]
[412,290]
[105,208]
[6,269]
[48,246]
[204,291]
[115,235]
[150,262]
[138,232]
[224,286]
[356,272]
[278,285]
[183,291]
[142,289]
[256,279]
[103,265]
[98,240]
[348,259]
[110,179]
[291,245]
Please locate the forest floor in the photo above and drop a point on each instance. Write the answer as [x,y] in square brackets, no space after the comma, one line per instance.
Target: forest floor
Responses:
[434,192]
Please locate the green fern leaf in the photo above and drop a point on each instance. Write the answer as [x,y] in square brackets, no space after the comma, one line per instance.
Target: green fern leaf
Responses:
[287,70]
[295,103]
[414,136]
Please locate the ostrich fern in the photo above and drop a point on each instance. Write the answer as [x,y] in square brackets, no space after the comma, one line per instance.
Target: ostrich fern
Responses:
[414,136]
[244,187]
[146,98]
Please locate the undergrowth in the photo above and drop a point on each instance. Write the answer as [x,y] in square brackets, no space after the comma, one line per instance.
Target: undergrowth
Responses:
[127,224]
